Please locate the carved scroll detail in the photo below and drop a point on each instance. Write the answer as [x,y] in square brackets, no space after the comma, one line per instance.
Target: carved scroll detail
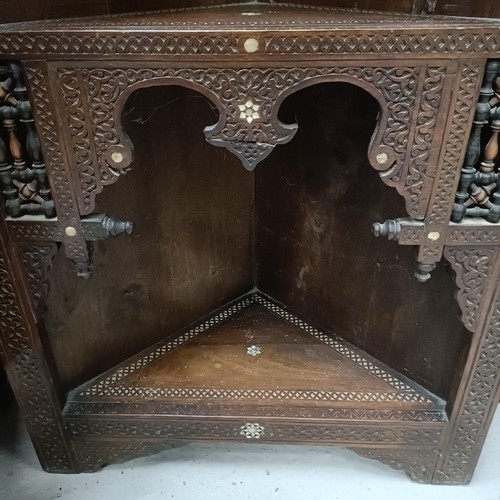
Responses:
[418,171]
[161,429]
[472,266]
[37,261]
[250,138]
[455,146]
[439,212]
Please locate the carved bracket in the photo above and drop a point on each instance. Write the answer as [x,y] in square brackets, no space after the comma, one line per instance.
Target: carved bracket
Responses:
[473,267]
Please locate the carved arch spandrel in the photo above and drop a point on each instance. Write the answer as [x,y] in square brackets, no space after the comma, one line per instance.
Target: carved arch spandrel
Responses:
[248,101]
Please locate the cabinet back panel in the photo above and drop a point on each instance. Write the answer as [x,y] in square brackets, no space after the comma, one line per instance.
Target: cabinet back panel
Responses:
[316,200]
[191,250]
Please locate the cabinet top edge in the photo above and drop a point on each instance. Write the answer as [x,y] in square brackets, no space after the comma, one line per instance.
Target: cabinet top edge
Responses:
[252,17]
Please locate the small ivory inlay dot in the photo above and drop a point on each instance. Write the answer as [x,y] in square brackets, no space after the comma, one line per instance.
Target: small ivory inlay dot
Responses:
[117,157]
[70,231]
[251,45]
[254,350]
[434,235]
[382,158]
[249,111]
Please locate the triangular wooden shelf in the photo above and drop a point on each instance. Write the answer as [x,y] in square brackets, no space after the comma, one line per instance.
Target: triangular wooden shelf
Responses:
[255,358]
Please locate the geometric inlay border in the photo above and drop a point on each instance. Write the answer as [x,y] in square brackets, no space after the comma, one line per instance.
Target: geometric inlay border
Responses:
[111,385]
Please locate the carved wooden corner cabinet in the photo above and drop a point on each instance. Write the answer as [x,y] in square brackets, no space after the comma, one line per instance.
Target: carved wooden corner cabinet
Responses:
[251,301]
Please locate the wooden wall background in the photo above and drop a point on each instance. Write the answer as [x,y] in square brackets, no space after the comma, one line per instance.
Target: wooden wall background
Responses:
[16,10]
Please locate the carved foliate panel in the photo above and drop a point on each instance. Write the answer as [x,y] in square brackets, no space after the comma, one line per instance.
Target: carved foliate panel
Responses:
[37,261]
[217,32]
[248,101]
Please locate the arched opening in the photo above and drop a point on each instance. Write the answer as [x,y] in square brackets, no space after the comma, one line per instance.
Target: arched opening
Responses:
[297,228]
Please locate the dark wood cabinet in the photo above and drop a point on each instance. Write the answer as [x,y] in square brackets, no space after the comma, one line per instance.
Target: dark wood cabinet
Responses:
[156,288]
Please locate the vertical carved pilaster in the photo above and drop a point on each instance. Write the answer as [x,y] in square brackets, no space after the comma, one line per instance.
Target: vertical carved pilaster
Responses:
[478,392]
[445,184]
[67,209]
[26,363]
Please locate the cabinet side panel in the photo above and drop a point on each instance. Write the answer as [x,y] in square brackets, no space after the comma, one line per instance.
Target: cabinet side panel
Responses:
[191,250]
[317,198]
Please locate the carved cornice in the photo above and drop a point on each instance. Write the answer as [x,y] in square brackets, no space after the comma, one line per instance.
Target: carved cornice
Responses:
[169,42]
[91,407]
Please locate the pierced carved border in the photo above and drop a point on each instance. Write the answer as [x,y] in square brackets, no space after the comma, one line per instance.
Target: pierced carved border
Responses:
[114,383]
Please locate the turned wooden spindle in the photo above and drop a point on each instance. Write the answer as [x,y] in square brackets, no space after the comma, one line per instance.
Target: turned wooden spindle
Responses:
[493,150]
[33,148]
[481,118]
[22,173]
[26,179]
[10,192]
[6,96]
